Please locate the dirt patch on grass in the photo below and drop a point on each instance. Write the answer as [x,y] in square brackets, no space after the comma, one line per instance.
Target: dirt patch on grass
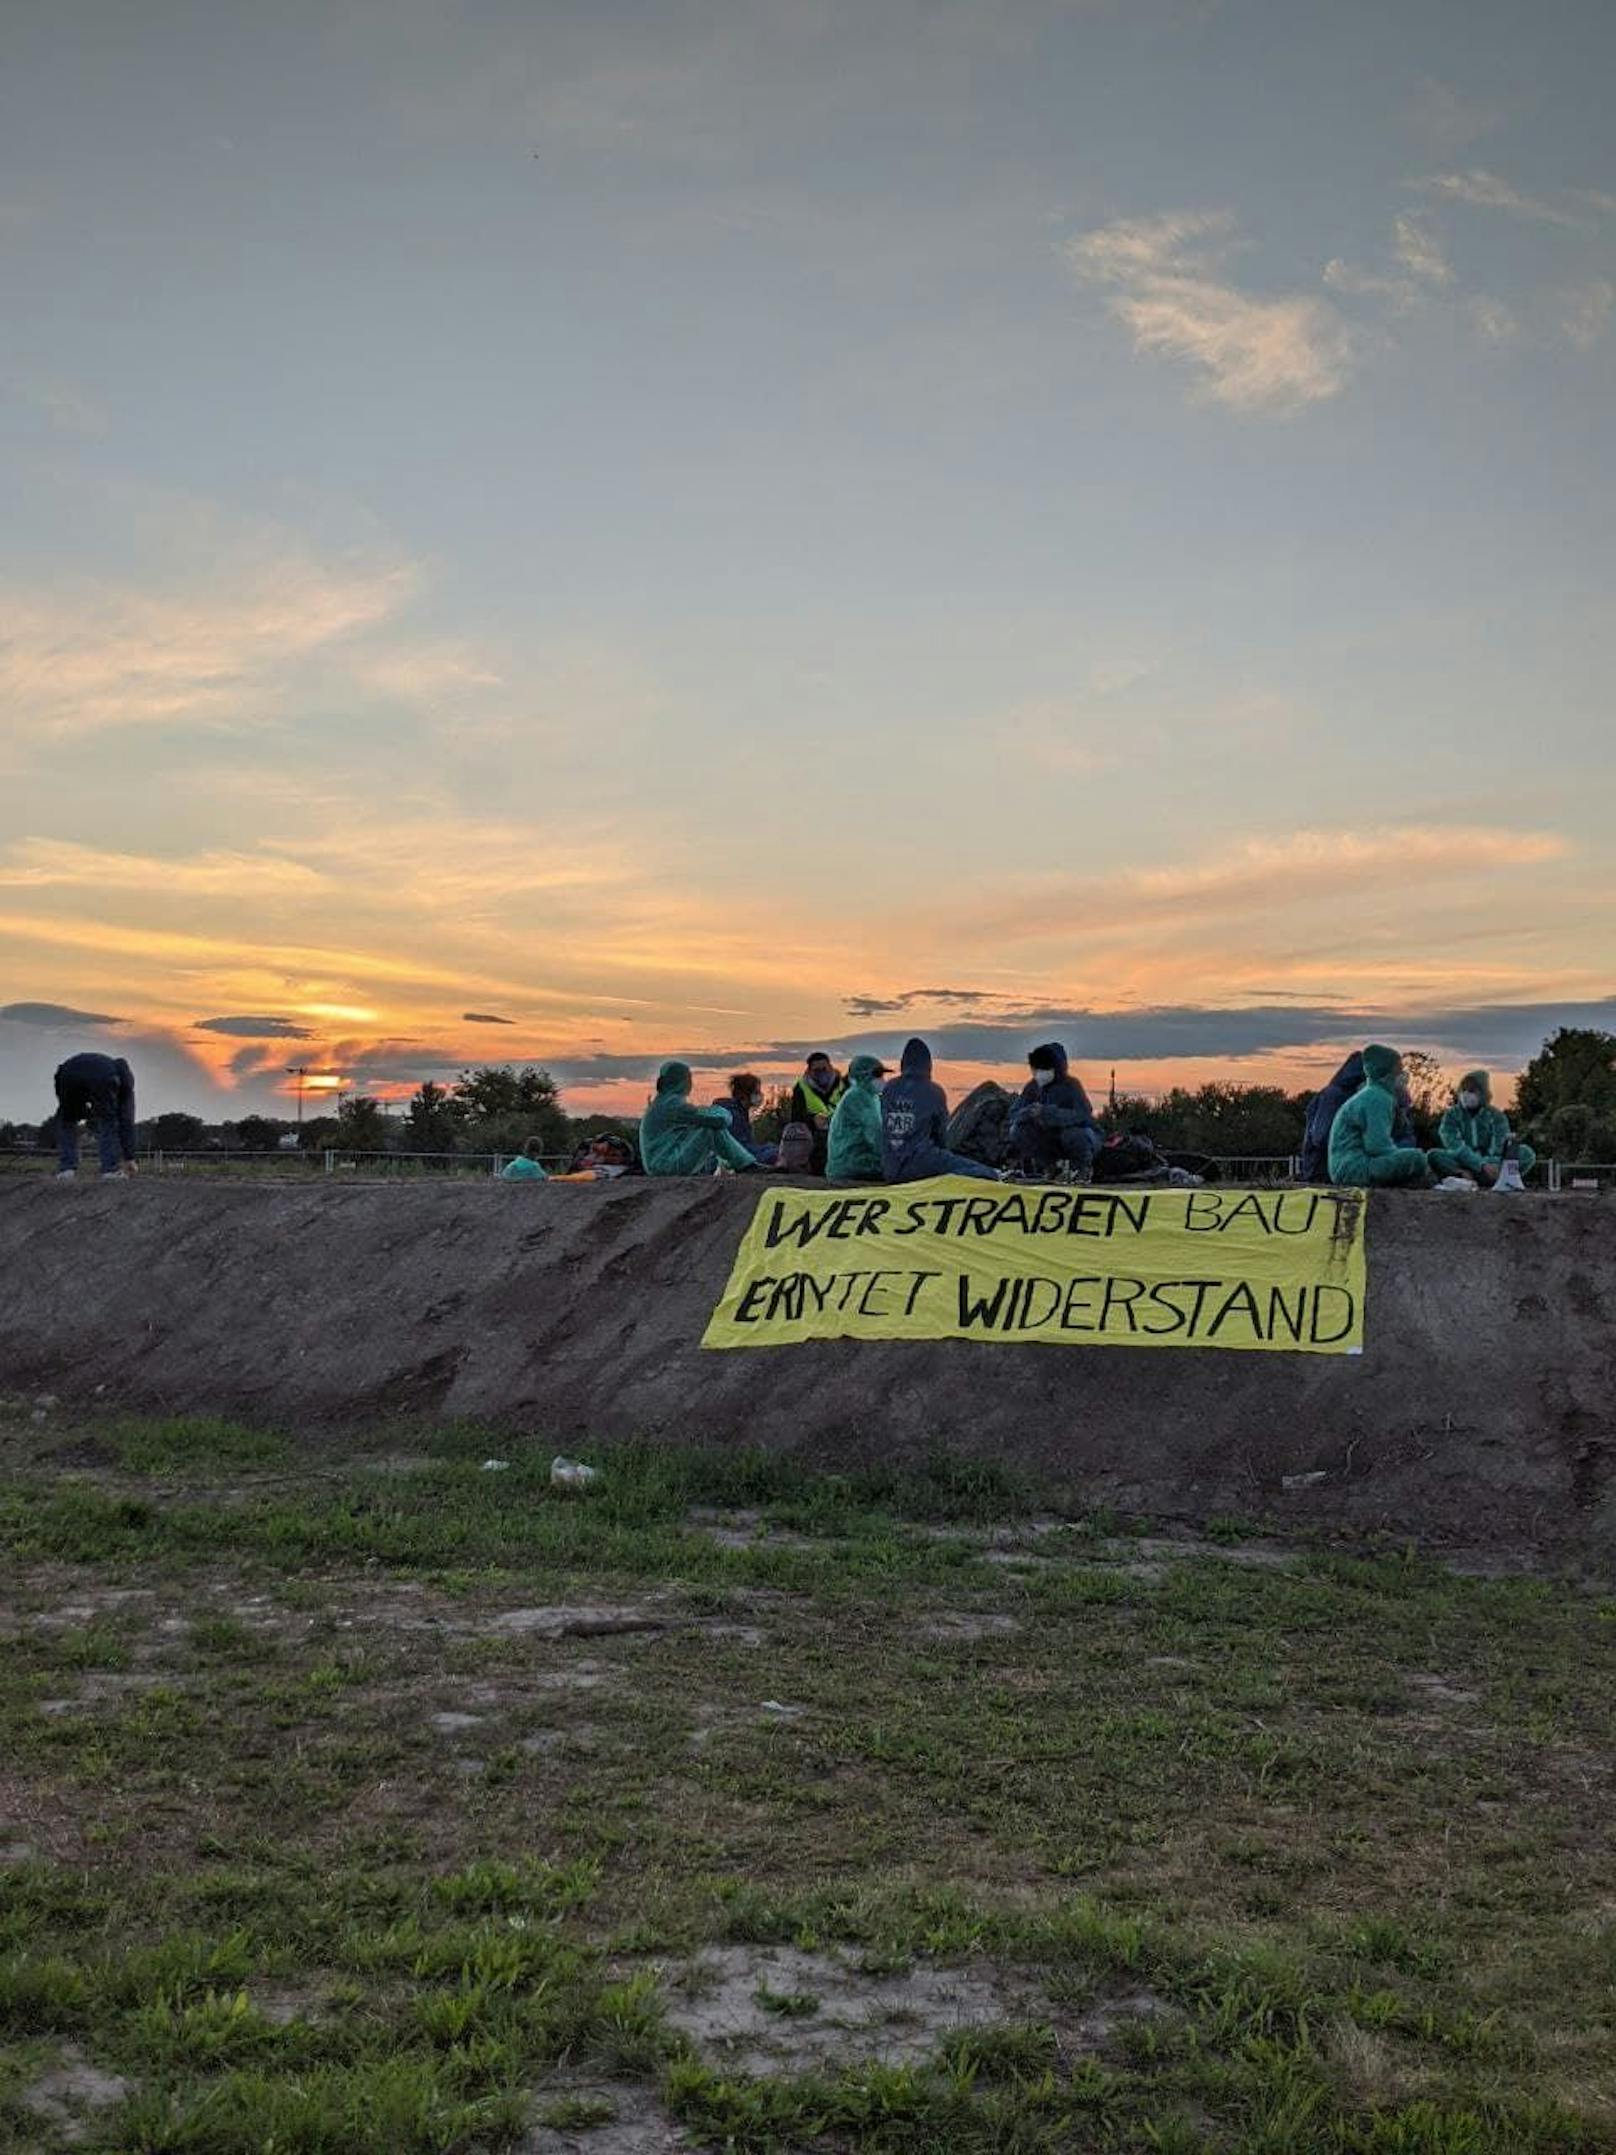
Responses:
[777,2009]
[72,2095]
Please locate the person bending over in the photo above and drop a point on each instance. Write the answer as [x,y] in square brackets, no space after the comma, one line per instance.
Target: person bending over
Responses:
[914,1122]
[679,1139]
[1363,1152]
[1476,1137]
[1322,1111]
[813,1101]
[854,1153]
[1052,1125]
[102,1089]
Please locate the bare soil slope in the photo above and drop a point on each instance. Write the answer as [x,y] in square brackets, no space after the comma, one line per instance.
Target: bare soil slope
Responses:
[1482,1409]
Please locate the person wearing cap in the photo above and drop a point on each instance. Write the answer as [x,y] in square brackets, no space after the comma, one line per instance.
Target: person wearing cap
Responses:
[1476,1136]
[1364,1152]
[677,1138]
[853,1153]
[100,1088]
[813,1101]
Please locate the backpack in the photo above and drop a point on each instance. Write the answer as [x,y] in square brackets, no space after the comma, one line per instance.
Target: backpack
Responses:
[979,1127]
[796,1151]
[1130,1159]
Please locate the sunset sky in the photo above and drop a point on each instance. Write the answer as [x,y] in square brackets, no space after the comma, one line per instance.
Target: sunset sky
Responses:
[587,530]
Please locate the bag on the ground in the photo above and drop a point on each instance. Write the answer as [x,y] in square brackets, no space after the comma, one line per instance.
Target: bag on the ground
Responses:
[1131,1158]
[796,1153]
[979,1128]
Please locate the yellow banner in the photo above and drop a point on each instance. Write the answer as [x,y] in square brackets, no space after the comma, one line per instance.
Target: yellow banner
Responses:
[1278,1271]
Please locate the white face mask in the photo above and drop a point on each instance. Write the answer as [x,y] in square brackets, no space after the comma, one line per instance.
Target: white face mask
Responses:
[1470,1101]
[1043,1077]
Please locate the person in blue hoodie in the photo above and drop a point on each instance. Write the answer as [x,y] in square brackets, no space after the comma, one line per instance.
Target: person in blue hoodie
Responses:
[914,1124]
[1052,1125]
[101,1088]
[1322,1110]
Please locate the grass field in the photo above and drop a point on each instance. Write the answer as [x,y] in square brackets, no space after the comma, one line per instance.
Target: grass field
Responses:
[363,1798]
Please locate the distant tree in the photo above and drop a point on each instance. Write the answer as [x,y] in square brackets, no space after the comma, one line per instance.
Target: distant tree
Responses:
[434,1120]
[259,1133]
[1575,1067]
[773,1116]
[362,1124]
[45,1137]
[1231,1120]
[1430,1092]
[504,1107]
[174,1132]
[320,1133]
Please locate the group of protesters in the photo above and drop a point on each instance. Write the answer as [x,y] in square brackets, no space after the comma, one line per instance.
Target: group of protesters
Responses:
[868,1126]
[865,1126]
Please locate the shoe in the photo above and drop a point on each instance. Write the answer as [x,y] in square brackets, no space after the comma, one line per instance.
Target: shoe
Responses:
[67,1174]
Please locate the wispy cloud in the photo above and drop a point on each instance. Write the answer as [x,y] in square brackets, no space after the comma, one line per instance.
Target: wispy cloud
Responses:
[1486,191]
[1263,873]
[51,1014]
[483,1017]
[1586,312]
[104,656]
[255,1028]
[1420,251]
[1167,285]
[56,863]
[1493,320]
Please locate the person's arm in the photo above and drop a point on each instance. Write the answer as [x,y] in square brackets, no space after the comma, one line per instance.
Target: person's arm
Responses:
[1498,1136]
[1071,1111]
[1452,1130]
[1379,1113]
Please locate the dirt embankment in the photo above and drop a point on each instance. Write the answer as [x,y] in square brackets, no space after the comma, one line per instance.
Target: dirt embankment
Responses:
[1483,1408]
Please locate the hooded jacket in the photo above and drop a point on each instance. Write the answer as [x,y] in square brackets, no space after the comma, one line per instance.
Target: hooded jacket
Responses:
[1322,1110]
[855,1128]
[914,1115]
[1063,1103]
[1362,1130]
[678,1139]
[98,1085]
[1475,1140]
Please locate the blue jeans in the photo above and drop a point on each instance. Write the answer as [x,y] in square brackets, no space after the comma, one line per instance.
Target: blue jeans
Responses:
[921,1166]
[104,1108]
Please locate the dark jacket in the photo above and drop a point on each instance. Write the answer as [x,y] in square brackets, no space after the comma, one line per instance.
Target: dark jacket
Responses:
[740,1118]
[1322,1110]
[914,1114]
[805,1105]
[98,1085]
[1064,1104]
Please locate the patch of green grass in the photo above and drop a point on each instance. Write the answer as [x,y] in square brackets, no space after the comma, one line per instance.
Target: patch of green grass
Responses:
[1311,1859]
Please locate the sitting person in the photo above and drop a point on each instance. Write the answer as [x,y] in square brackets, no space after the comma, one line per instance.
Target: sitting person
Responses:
[1052,1125]
[102,1089]
[740,1102]
[854,1151]
[1322,1110]
[525,1167]
[914,1123]
[1476,1137]
[679,1139]
[813,1101]
[1363,1152]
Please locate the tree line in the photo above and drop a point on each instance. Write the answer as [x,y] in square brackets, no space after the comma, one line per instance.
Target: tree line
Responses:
[1565,1103]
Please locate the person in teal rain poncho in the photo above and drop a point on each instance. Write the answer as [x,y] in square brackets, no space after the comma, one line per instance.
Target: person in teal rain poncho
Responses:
[1474,1133]
[1363,1153]
[855,1127]
[678,1139]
